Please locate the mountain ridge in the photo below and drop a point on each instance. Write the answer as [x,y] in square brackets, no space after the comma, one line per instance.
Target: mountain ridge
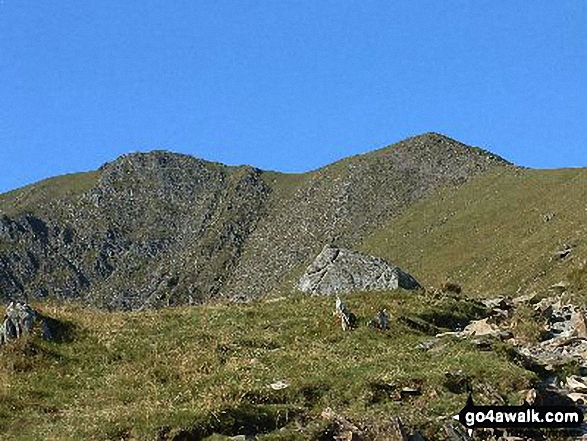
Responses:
[160,228]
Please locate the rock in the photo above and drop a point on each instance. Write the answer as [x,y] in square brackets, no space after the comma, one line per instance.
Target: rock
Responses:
[7,331]
[19,319]
[544,307]
[428,344]
[501,307]
[559,287]
[564,352]
[410,392]
[547,217]
[530,396]
[481,328]
[564,320]
[348,320]
[400,430]
[524,299]
[381,320]
[577,384]
[505,334]
[478,328]
[455,433]
[345,429]
[483,344]
[457,382]
[566,336]
[339,307]
[279,385]
[421,325]
[501,302]
[578,398]
[579,323]
[339,270]
[564,252]
[403,435]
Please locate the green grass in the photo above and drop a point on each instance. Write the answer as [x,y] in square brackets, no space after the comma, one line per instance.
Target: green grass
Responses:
[35,198]
[207,369]
[489,235]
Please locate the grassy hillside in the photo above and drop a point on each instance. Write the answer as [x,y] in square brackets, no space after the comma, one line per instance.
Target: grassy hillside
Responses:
[205,370]
[497,234]
[36,198]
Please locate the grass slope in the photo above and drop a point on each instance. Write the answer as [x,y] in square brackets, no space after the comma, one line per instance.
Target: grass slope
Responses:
[205,370]
[36,197]
[492,235]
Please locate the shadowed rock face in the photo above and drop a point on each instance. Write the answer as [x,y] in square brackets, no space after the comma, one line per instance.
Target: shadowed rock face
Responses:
[156,229]
[338,270]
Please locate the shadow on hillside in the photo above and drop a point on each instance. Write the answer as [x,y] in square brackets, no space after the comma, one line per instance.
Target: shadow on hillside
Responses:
[57,331]
[242,420]
[452,314]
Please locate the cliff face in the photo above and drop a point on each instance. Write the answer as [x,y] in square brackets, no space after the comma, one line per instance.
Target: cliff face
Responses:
[155,229]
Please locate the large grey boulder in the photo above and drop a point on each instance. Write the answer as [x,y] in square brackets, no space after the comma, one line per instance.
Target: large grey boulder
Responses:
[338,270]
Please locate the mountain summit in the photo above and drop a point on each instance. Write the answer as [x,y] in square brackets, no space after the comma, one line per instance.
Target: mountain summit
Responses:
[160,228]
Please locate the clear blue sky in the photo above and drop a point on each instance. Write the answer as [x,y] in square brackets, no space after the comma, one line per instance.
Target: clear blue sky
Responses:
[286,85]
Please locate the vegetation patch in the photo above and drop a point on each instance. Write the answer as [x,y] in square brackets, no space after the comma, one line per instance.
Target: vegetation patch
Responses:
[196,371]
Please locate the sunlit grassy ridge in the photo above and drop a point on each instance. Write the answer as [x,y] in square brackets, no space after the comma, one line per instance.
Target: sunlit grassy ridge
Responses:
[497,234]
[38,197]
[207,369]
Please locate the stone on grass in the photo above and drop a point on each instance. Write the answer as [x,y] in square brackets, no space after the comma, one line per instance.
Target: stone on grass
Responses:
[348,320]
[279,385]
[339,270]
[381,320]
[19,319]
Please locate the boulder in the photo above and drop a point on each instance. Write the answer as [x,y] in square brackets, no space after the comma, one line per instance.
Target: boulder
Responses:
[338,270]
[18,320]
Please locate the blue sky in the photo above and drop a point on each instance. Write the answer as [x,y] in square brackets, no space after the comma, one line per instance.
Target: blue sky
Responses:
[286,85]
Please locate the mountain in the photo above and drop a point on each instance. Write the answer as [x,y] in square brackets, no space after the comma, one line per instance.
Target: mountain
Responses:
[159,228]
[500,251]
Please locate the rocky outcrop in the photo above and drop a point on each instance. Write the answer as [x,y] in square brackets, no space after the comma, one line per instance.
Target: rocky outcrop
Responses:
[21,319]
[345,201]
[18,320]
[339,270]
[565,339]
